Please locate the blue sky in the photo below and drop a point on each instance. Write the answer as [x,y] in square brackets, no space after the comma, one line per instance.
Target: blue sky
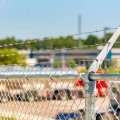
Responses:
[45,18]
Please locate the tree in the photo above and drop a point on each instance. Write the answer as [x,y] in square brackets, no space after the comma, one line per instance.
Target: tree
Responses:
[56,63]
[91,40]
[8,40]
[108,36]
[72,63]
[10,57]
[54,43]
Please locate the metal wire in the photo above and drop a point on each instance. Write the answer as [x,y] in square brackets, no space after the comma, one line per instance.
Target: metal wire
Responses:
[26,94]
[49,108]
[28,42]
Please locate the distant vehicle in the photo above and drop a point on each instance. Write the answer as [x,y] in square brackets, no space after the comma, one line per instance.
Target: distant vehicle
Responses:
[101,86]
[26,96]
[64,91]
[31,96]
[60,90]
[25,93]
[44,65]
[5,96]
[69,116]
[42,91]
[31,93]
[80,115]
[114,95]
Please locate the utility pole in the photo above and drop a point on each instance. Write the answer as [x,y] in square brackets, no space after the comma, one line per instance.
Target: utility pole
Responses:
[105,31]
[79,29]
[105,41]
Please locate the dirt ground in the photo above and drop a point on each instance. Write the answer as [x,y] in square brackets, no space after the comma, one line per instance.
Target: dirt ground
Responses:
[48,109]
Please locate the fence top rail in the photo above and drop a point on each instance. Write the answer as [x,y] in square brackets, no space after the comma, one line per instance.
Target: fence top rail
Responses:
[71,73]
[105,77]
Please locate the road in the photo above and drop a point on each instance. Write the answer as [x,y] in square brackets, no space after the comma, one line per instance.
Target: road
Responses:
[46,110]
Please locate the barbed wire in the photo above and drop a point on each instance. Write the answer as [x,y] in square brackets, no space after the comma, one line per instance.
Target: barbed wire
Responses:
[93,31]
[77,48]
[27,42]
[82,46]
[30,41]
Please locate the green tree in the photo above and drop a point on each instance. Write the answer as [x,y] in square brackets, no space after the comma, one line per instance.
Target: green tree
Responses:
[70,42]
[108,36]
[56,63]
[46,43]
[62,42]
[72,63]
[54,43]
[19,45]
[11,56]
[8,41]
[91,40]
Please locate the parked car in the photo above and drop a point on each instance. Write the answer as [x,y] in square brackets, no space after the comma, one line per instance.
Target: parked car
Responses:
[64,91]
[5,96]
[26,96]
[80,115]
[31,96]
[42,90]
[30,92]
[44,65]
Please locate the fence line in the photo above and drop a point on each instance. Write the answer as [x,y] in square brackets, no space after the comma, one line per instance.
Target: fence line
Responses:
[59,74]
[59,93]
[28,42]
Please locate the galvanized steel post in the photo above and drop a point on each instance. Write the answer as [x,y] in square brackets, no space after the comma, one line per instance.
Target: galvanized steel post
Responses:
[90,85]
[90,100]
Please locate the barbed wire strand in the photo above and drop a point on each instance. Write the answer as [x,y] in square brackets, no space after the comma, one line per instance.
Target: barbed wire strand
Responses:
[83,46]
[30,41]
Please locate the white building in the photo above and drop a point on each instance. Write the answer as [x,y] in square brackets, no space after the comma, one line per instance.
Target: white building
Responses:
[64,56]
[29,61]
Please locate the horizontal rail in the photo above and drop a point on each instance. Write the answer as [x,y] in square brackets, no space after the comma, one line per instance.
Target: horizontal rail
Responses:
[31,75]
[105,77]
[64,74]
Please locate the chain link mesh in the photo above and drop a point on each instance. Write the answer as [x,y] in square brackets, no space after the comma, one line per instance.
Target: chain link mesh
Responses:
[40,98]
[56,93]
[53,97]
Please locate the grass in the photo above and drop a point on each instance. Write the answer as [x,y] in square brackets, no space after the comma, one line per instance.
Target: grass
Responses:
[7,118]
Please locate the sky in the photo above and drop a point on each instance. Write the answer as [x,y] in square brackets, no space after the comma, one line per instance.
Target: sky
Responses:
[28,19]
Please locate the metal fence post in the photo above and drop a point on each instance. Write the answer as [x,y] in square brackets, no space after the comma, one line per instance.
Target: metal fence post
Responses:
[90,113]
[90,85]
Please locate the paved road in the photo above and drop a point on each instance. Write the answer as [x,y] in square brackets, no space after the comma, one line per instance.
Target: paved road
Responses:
[46,110]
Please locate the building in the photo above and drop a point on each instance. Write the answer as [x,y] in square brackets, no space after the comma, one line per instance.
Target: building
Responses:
[80,56]
[64,56]
[30,61]
[115,55]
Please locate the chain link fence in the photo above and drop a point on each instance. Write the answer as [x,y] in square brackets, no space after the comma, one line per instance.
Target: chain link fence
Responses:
[48,93]
[89,90]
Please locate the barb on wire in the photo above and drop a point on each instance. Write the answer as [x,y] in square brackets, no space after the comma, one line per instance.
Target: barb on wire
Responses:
[31,41]
[93,31]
